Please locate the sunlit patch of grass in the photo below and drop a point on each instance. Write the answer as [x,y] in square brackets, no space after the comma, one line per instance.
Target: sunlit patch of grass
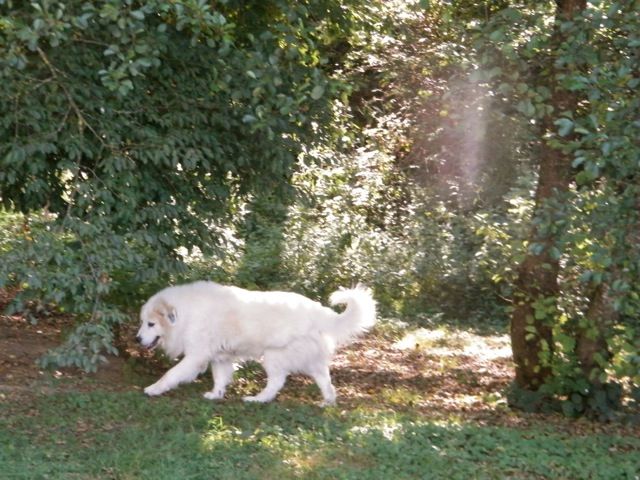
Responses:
[497,400]
[446,342]
[401,397]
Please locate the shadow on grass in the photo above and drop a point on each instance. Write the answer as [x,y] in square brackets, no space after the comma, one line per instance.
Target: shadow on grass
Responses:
[124,435]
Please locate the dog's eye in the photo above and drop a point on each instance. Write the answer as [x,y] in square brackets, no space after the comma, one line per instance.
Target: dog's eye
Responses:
[150,324]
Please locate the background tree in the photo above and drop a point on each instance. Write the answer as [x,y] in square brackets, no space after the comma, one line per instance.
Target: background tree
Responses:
[564,80]
[536,287]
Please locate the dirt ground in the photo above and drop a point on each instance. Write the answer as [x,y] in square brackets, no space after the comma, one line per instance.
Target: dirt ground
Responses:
[23,343]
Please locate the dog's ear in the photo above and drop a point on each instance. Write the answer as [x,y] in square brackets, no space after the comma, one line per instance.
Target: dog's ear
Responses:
[167,311]
[172,315]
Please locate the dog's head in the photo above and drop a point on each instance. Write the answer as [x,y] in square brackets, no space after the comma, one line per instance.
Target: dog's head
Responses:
[157,317]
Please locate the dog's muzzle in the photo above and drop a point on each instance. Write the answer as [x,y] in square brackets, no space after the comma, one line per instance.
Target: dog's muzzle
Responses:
[152,345]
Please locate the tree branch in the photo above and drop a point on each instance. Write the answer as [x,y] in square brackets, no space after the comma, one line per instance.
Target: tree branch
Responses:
[82,122]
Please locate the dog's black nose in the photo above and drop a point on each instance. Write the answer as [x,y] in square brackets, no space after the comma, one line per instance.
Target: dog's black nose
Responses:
[138,338]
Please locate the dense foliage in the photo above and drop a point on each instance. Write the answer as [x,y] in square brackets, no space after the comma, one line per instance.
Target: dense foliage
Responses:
[137,126]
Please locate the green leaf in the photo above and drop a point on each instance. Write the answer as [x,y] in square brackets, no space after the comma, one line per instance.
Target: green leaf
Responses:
[317,92]
[565,126]
[527,108]
[137,14]
[577,162]
[497,35]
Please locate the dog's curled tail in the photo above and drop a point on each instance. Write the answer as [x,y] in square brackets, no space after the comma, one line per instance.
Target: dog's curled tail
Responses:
[358,317]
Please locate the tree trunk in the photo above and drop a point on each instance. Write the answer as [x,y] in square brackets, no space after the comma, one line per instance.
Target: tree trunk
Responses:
[537,282]
[591,340]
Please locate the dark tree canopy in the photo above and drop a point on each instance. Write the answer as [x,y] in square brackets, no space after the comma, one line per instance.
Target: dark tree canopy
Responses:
[137,125]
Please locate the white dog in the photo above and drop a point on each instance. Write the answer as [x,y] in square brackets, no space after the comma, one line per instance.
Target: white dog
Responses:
[208,323]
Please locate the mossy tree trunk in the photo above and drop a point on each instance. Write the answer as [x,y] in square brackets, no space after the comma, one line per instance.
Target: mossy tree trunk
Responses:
[537,286]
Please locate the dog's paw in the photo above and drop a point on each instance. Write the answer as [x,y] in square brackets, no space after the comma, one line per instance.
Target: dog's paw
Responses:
[212,395]
[328,403]
[153,390]
[256,399]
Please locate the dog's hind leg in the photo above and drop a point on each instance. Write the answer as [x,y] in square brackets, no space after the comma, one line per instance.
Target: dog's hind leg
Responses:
[322,378]
[274,384]
[276,376]
[222,376]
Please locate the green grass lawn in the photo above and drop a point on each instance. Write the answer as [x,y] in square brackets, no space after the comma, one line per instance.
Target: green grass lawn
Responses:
[123,435]
[430,406]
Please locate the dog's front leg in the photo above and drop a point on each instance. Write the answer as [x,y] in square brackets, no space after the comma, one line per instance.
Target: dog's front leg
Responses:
[222,375]
[185,371]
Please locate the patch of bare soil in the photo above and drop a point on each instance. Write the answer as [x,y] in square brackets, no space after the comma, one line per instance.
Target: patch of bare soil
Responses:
[22,343]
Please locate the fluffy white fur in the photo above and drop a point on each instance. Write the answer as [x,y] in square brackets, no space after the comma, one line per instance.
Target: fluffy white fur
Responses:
[208,323]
